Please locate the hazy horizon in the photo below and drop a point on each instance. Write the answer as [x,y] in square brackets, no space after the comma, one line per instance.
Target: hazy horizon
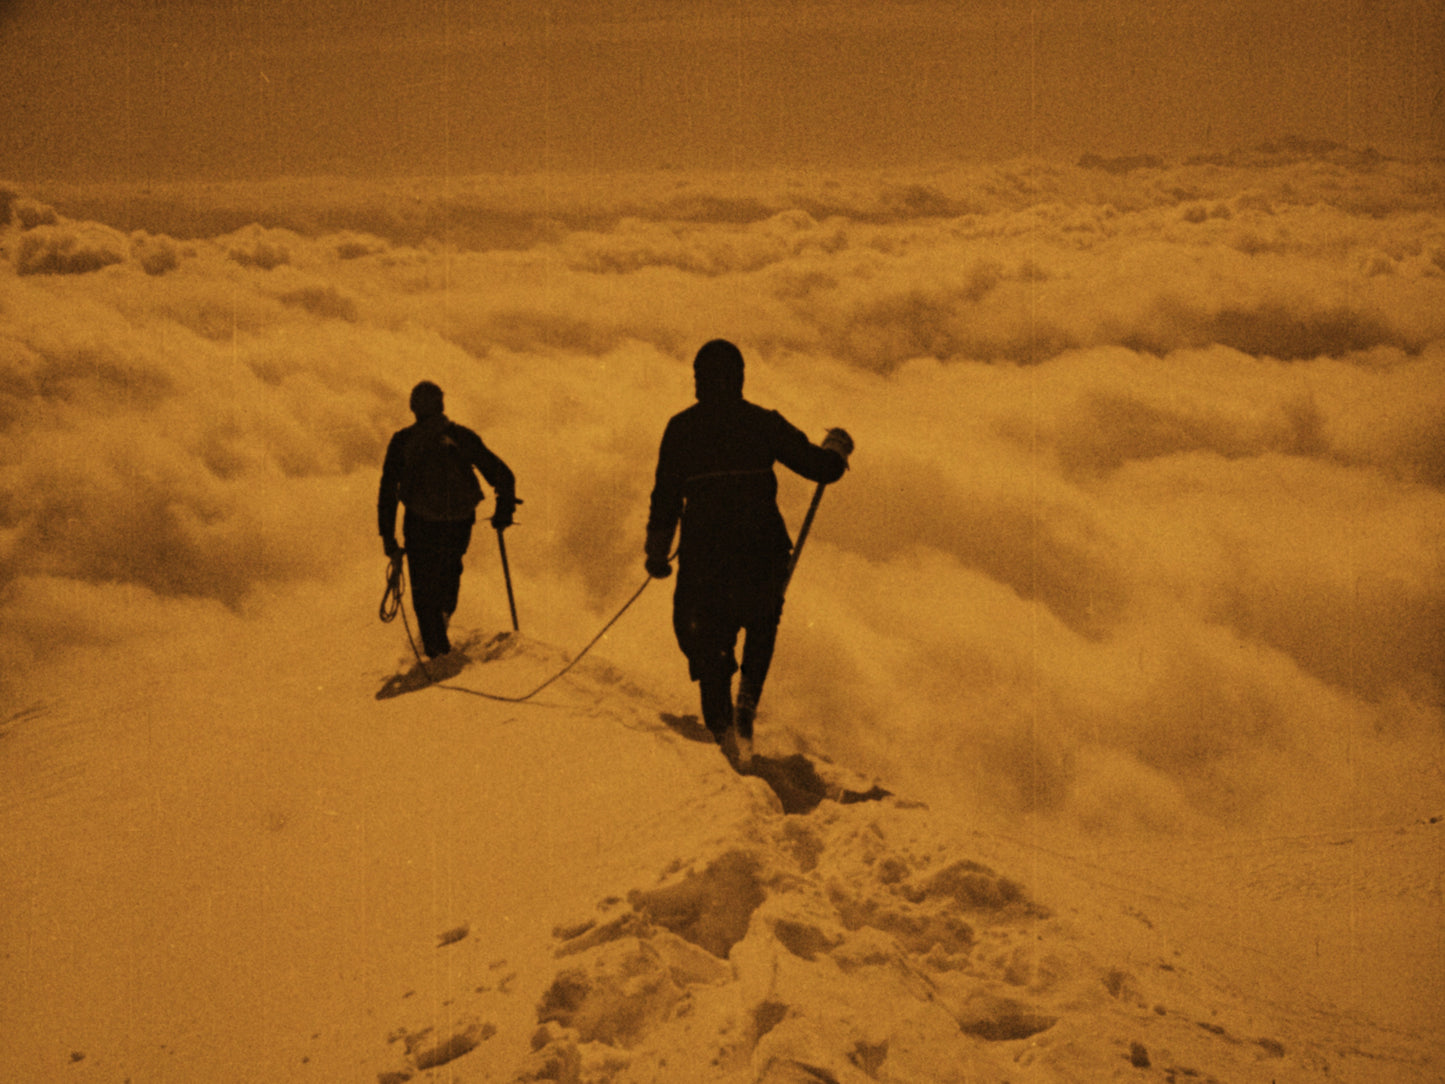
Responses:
[208,92]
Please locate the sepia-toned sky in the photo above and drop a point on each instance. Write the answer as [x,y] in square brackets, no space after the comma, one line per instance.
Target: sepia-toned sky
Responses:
[211,89]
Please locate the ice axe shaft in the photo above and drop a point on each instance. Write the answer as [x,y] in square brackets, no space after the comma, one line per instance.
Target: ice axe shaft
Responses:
[507,575]
[803,531]
[748,694]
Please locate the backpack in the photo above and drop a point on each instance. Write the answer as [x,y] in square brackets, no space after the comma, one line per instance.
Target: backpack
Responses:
[437,480]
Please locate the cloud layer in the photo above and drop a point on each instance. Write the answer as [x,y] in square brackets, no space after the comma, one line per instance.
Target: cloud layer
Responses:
[1144,523]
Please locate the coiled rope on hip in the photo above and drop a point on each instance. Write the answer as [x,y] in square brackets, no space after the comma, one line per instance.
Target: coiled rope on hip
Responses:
[391,605]
[395,589]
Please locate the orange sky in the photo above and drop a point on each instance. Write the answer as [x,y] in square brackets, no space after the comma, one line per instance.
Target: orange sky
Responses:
[164,90]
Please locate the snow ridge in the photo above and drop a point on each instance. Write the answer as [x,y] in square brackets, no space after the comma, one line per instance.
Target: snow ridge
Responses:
[840,934]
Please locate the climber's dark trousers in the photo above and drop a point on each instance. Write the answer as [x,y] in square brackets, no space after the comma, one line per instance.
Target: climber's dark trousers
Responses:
[434,551]
[708,614]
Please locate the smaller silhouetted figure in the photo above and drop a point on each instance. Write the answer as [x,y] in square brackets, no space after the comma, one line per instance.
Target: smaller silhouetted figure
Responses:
[429,468]
[715,475]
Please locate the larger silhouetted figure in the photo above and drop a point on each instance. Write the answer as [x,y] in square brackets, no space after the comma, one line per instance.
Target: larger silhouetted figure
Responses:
[429,467]
[715,476]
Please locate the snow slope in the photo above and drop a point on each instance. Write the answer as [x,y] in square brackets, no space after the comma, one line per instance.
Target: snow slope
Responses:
[229,862]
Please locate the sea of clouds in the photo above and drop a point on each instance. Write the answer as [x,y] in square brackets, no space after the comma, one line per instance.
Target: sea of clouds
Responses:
[1144,525]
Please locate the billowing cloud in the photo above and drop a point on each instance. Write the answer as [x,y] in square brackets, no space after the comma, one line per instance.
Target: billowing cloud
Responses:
[1143,524]
[56,250]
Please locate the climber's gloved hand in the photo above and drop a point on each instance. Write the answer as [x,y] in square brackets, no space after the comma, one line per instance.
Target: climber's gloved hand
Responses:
[658,564]
[502,516]
[393,551]
[839,441]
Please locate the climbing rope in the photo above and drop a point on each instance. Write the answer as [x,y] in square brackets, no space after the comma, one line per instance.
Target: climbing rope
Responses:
[391,599]
[591,644]
[391,605]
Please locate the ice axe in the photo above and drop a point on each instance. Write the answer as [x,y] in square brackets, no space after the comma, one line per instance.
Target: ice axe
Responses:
[803,532]
[507,575]
[838,441]
[747,694]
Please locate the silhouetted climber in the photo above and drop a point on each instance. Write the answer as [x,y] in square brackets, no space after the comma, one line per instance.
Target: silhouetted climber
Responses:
[429,468]
[715,474]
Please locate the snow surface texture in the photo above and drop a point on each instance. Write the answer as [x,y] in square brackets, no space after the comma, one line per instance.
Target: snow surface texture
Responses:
[448,888]
[857,943]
